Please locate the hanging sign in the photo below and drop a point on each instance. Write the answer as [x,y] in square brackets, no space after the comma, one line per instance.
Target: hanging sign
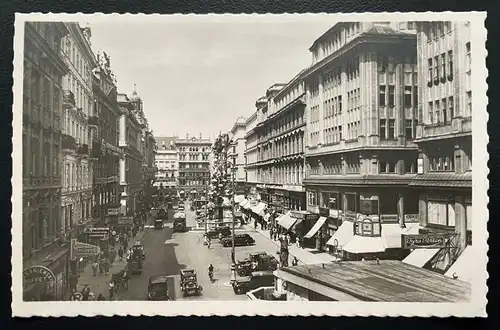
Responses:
[125,221]
[425,241]
[80,250]
[96,233]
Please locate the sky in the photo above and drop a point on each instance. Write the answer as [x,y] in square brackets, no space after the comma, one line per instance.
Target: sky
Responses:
[199,74]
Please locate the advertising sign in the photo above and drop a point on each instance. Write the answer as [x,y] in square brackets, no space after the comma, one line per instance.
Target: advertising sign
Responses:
[80,250]
[114,211]
[96,233]
[424,241]
[38,274]
[125,221]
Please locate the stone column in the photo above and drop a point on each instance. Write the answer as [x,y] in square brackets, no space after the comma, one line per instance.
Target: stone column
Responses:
[401,210]
[123,128]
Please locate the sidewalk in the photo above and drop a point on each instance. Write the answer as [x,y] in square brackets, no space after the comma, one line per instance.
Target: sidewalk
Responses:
[304,255]
[99,283]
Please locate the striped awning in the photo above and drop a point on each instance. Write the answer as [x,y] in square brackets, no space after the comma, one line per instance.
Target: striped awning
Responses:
[259,209]
[286,221]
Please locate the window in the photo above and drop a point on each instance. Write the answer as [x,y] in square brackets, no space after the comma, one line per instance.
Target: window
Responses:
[382,96]
[391,96]
[444,110]
[392,167]
[311,198]
[409,167]
[408,128]
[450,65]
[436,69]
[407,100]
[468,62]
[469,103]
[437,110]
[431,112]
[391,134]
[429,69]
[443,67]
[441,213]
[382,166]
[383,127]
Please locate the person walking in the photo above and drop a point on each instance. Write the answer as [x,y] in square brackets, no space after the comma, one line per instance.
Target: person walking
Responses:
[120,253]
[73,282]
[101,266]
[95,267]
[106,266]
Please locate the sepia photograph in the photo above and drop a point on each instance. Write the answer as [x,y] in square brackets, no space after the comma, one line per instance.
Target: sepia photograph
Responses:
[250,164]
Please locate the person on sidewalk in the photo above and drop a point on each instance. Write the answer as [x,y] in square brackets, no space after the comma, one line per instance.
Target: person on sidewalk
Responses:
[295,261]
[95,268]
[112,257]
[73,282]
[120,253]
[106,266]
[101,266]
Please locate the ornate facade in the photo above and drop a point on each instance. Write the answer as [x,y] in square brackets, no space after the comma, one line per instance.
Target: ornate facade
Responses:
[194,164]
[43,231]
[166,162]
[237,153]
[77,171]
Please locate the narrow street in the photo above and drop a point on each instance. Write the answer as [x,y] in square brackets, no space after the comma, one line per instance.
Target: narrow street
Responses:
[167,253]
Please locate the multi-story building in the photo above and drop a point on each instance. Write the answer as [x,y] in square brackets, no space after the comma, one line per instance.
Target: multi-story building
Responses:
[105,151]
[362,97]
[194,165]
[43,232]
[237,153]
[444,138]
[130,137]
[149,167]
[77,172]
[166,162]
[251,155]
[280,149]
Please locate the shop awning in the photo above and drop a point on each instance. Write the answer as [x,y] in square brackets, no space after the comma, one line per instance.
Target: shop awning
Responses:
[239,198]
[259,209]
[419,257]
[286,221]
[266,217]
[464,267]
[342,235]
[244,202]
[247,206]
[321,221]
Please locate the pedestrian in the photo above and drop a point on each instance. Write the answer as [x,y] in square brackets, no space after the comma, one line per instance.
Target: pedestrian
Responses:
[73,282]
[111,290]
[125,245]
[101,266]
[298,241]
[271,233]
[95,267]
[287,237]
[112,257]
[85,293]
[120,253]
[295,261]
[106,266]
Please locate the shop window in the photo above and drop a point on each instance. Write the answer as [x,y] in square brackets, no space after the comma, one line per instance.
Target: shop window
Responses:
[441,213]
[312,198]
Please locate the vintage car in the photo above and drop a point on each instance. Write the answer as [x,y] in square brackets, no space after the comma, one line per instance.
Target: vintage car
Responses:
[214,232]
[189,283]
[138,250]
[158,288]
[180,207]
[257,261]
[254,280]
[162,214]
[134,265]
[180,223]
[170,205]
[158,224]
[239,240]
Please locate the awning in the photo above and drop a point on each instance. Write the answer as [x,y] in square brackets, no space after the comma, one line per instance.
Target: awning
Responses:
[259,209]
[247,206]
[244,202]
[464,267]
[363,244]
[321,221]
[342,235]
[266,217]
[419,257]
[286,221]
[239,198]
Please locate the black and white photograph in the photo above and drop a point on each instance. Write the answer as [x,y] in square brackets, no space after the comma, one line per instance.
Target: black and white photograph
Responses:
[250,164]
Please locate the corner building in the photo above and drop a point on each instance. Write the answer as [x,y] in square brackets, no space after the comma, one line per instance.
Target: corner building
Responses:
[280,150]
[166,162]
[251,156]
[237,154]
[44,242]
[194,165]
[444,139]
[362,93]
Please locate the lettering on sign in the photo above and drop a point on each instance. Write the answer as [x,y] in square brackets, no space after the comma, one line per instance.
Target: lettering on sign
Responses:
[424,241]
[38,274]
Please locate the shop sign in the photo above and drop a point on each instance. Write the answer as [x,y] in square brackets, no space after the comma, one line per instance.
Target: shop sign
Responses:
[114,211]
[412,218]
[38,274]
[98,233]
[80,250]
[125,221]
[367,227]
[425,241]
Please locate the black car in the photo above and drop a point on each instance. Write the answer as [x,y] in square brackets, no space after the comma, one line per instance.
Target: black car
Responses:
[239,240]
[214,232]
[162,214]
[158,288]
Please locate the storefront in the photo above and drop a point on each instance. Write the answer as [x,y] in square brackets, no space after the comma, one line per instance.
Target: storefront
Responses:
[47,279]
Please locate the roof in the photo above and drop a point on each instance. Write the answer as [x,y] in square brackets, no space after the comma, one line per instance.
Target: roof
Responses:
[443,179]
[388,281]
[160,140]
[158,279]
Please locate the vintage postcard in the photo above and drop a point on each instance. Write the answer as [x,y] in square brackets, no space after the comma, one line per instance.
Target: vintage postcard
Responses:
[250,165]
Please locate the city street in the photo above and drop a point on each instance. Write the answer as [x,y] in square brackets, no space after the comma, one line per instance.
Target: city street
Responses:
[167,253]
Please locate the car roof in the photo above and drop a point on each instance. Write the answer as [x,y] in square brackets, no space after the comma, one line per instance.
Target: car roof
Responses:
[263,273]
[158,279]
[188,271]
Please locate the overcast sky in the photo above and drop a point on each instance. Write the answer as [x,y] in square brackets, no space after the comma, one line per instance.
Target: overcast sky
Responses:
[198,75]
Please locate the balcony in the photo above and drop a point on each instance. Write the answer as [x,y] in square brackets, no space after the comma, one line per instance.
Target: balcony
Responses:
[68,142]
[458,126]
[93,121]
[83,149]
[69,98]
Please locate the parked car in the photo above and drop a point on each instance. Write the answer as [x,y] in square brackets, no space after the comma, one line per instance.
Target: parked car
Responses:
[158,288]
[239,240]
[214,232]
[158,224]
[253,281]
